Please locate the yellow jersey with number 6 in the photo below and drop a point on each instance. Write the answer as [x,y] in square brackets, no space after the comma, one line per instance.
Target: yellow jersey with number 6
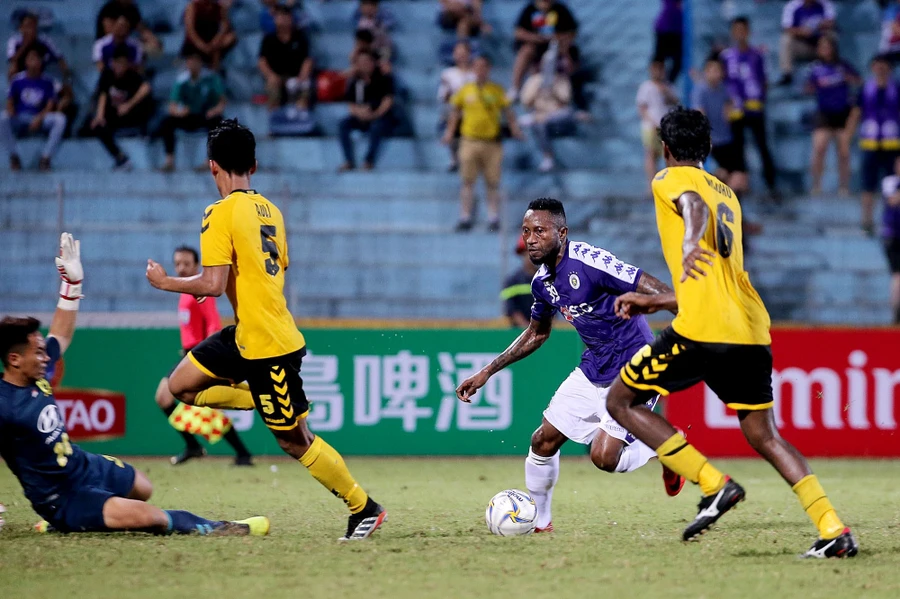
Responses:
[246,231]
[722,307]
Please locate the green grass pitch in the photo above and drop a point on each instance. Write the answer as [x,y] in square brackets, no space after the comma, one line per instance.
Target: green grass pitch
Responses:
[616,536]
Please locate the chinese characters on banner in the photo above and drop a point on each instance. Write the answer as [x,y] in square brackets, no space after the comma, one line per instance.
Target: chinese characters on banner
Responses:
[417,390]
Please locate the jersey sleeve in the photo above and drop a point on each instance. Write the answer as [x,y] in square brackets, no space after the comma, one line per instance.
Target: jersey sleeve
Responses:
[215,236]
[54,349]
[54,352]
[666,189]
[541,309]
[609,273]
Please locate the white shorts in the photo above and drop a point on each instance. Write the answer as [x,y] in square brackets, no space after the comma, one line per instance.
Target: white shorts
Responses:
[578,410]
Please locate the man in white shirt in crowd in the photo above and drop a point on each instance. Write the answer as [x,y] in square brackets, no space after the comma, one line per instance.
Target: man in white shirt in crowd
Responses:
[452,79]
[654,98]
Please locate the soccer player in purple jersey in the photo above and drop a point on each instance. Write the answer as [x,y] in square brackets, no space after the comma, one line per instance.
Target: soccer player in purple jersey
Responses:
[582,282]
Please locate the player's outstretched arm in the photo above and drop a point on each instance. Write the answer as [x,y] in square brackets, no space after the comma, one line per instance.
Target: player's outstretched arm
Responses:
[71,273]
[650,285]
[210,282]
[632,303]
[533,337]
[695,213]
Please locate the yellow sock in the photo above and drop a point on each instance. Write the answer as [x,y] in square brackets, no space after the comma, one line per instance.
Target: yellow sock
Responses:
[679,456]
[225,398]
[817,506]
[328,467]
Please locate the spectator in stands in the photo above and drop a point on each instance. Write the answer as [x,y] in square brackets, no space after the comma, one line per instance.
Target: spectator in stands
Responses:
[889,46]
[890,233]
[831,80]
[877,113]
[28,36]
[31,107]
[669,28]
[516,293]
[712,98]
[745,75]
[267,15]
[123,102]
[197,102]
[547,94]
[22,41]
[207,30]
[120,36]
[379,22]
[479,107]
[802,22]
[285,62]
[370,98]
[464,17]
[364,43]
[539,23]
[452,80]
[113,9]
[654,99]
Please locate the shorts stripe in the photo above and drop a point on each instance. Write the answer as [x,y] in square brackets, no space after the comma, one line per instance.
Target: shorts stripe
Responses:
[642,387]
[751,407]
[201,367]
[288,427]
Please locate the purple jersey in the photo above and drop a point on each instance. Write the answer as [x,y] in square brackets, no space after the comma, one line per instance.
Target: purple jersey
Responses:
[745,73]
[670,18]
[798,13]
[30,96]
[829,80]
[584,286]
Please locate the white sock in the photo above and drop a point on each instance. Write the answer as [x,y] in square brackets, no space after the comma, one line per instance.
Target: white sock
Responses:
[541,474]
[634,456]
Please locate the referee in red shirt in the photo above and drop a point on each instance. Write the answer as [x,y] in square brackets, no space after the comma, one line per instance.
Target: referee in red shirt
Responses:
[197,320]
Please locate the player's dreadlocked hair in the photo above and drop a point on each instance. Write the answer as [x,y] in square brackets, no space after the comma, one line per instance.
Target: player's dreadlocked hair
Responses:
[232,146]
[686,133]
[14,334]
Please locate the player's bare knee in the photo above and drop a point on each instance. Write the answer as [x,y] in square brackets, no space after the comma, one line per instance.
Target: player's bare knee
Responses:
[181,393]
[163,398]
[604,458]
[541,444]
[296,441]
[142,489]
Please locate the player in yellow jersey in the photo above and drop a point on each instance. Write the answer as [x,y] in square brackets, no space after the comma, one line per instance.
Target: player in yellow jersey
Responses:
[720,336]
[243,247]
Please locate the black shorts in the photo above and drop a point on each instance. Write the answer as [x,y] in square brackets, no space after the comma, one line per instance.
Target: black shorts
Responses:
[730,157]
[876,164]
[741,375]
[275,383]
[892,250]
[831,120]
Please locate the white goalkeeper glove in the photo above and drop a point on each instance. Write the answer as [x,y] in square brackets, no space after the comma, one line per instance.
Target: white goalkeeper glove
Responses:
[68,263]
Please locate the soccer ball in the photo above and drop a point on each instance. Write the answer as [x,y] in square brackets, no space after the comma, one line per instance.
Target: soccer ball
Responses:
[511,513]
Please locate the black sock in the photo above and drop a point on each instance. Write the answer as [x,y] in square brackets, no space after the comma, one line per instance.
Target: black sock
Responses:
[189,439]
[235,441]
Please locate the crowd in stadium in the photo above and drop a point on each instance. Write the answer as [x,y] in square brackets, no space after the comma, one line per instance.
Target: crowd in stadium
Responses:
[547,80]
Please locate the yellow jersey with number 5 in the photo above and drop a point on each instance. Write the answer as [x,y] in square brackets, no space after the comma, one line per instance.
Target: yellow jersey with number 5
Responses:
[722,307]
[246,231]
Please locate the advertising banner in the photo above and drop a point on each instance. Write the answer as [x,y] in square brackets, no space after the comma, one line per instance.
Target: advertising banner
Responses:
[836,395]
[373,392]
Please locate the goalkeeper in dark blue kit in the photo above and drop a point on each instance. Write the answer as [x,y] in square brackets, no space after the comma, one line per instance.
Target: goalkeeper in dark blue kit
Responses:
[73,490]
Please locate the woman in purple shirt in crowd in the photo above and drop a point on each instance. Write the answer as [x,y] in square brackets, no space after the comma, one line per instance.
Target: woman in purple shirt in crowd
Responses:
[831,79]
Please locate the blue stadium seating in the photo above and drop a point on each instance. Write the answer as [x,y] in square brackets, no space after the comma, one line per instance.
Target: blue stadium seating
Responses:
[380,244]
